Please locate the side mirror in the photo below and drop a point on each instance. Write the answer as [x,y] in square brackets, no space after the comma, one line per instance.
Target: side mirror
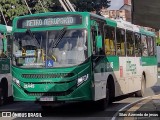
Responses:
[99,41]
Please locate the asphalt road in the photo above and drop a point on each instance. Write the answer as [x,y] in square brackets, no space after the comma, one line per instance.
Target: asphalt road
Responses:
[71,111]
[79,111]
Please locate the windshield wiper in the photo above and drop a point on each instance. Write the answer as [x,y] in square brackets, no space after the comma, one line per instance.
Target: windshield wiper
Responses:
[59,37]
[34,38]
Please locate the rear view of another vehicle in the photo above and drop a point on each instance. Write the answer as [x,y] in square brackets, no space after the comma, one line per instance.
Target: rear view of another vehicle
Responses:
[5,75]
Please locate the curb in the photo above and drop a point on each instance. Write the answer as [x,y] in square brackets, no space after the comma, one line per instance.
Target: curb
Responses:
[129,106]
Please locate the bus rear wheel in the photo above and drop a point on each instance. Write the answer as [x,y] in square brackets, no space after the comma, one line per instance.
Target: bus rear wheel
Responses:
[141,92]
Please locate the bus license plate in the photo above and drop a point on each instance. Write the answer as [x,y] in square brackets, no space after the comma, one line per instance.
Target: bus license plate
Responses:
[46,98]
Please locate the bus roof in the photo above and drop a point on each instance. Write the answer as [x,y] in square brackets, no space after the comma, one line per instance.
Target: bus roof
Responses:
[114,23]
[127,25]
[51,13]
[149,33]
[5,28]
[111,22]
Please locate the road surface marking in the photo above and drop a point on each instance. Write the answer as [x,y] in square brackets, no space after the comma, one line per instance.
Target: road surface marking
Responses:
[117,113]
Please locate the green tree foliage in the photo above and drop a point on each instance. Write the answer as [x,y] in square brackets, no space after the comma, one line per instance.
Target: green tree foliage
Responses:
[91,5]
[158,41]
[55,6]
[38,6]
[80,5]
[11,9]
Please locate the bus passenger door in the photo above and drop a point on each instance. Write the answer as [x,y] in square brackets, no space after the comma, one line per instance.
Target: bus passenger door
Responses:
[121,53]
[98,63]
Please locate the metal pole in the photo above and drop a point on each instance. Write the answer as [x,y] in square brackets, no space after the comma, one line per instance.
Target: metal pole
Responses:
[70,5]
[42,6]
[67,5]
[27,6]
[63,5]
[3,15]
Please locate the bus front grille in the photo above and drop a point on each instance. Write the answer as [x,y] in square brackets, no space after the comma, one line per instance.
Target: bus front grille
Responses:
[54,75]
[49,93]
[58,82]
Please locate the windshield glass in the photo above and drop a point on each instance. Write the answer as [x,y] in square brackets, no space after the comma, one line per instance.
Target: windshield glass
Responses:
[50,49]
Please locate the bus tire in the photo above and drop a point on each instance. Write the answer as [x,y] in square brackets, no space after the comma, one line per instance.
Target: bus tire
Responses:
[103,103]
[4,91]
[141,92]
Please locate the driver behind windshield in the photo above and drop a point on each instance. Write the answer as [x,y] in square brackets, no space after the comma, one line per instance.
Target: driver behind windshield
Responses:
[70,49]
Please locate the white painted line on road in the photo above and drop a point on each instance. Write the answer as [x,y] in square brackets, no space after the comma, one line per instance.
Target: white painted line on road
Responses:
[116,114]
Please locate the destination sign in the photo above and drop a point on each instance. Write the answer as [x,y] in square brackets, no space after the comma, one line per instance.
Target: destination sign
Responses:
[49,21]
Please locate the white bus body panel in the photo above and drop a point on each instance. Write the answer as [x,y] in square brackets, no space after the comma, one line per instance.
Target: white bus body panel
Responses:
[127,79]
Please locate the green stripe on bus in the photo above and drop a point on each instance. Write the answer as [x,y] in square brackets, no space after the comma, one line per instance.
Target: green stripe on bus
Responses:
[148,61]
[113,61]
[111,22]
[145,32]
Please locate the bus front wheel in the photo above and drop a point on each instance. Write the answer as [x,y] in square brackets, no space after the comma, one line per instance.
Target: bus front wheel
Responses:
[141,92]
[103,103]
[3,91]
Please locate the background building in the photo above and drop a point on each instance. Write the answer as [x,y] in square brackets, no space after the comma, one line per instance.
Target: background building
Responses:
[124,12]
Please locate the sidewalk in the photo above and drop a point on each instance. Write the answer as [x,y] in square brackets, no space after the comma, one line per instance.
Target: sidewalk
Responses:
[151,108]
[148,109]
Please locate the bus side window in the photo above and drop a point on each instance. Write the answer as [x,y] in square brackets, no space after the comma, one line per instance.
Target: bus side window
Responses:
[93,38]
[138,49]
[109,42]
[120,35]
[130,43]
[95,50]
[144,45]
[1,45]
[150,46]
[155,46]
[9,43]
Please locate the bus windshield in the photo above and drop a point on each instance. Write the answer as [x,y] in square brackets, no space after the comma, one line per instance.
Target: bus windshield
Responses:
[50,49]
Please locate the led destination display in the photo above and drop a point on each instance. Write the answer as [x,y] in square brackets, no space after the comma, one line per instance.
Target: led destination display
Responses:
[49,21]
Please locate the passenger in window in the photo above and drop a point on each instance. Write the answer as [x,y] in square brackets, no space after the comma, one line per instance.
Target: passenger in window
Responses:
[118,51]
[80,45]
[107,48]
[144,47]
[112,43]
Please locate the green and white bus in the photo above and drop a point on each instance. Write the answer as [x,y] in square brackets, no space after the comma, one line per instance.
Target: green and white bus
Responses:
[5,72]
[80,56]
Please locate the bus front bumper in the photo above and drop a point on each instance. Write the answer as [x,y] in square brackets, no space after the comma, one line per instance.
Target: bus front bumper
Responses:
[82,93]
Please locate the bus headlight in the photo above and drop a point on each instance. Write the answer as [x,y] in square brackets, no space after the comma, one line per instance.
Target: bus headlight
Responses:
[16,81]
[82,79]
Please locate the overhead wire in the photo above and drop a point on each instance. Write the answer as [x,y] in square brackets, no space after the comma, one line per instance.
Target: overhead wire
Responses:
[28,6]
[3,15]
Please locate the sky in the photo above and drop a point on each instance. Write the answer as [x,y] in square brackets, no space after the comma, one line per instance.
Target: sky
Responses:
[116,4]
